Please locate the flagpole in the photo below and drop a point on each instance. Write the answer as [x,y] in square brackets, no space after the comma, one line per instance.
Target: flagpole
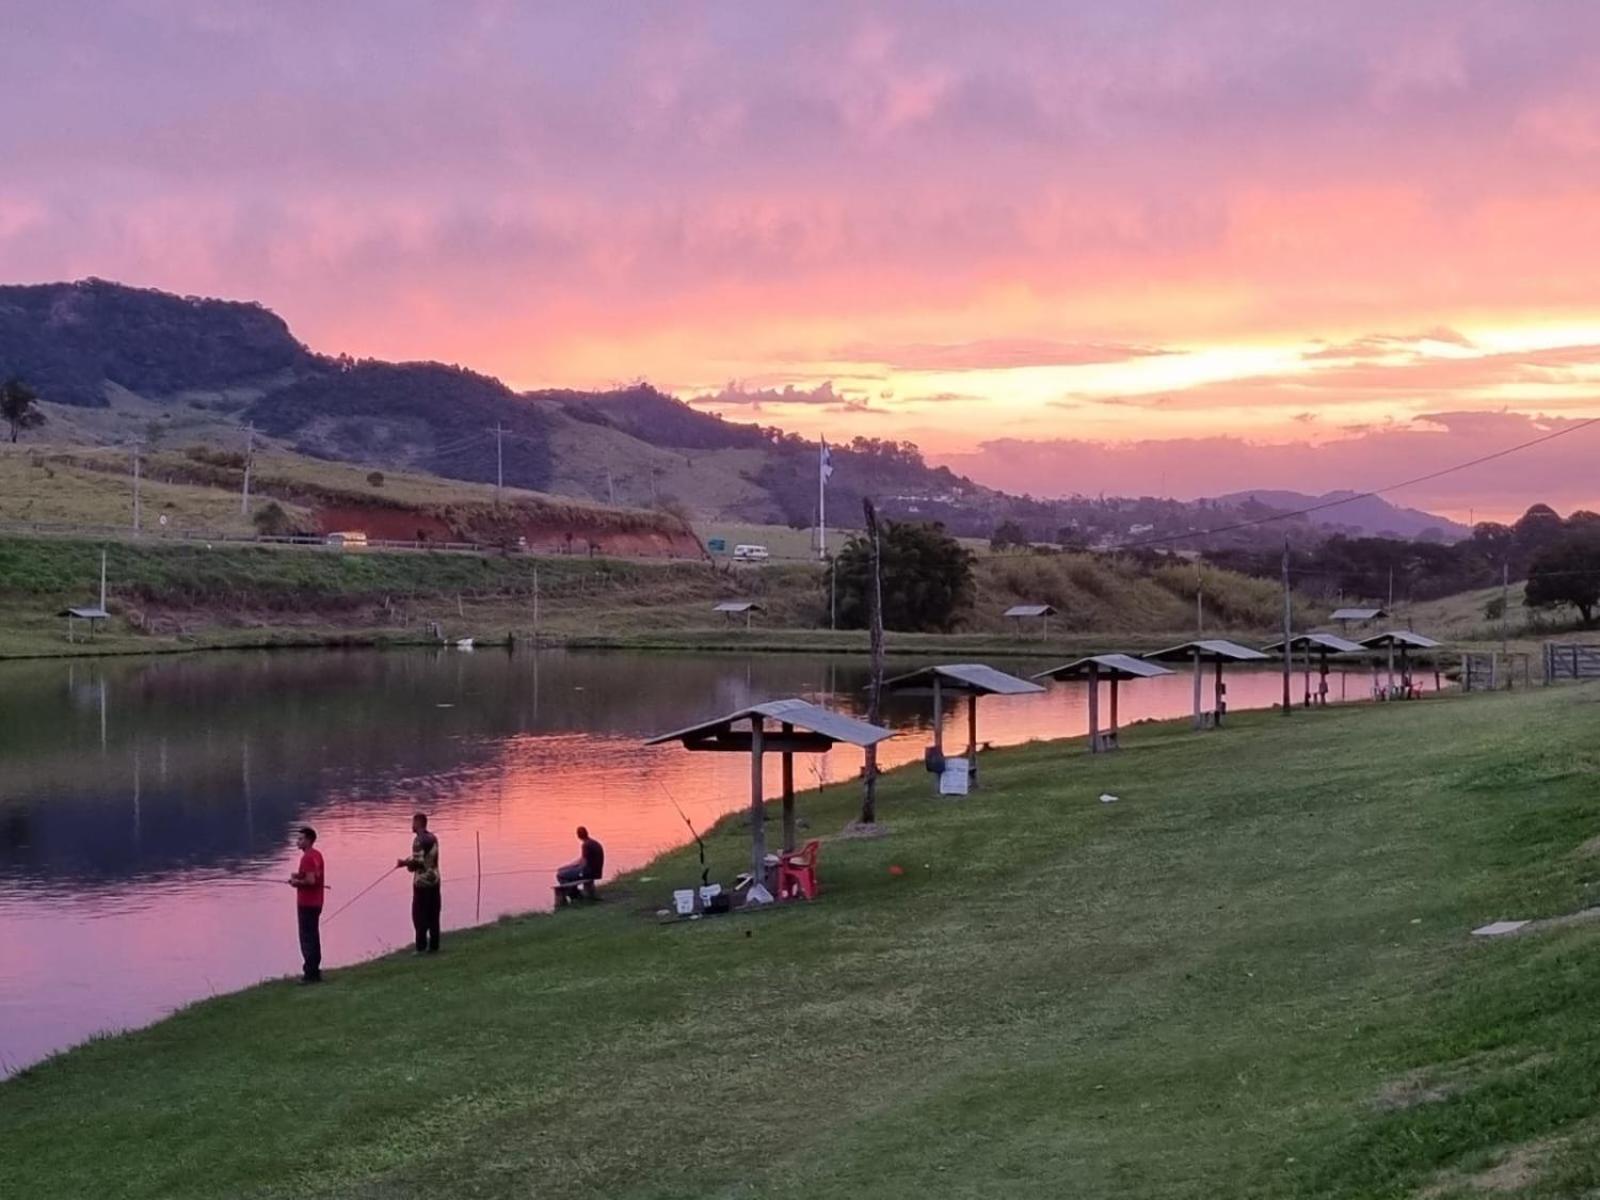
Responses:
[822,501]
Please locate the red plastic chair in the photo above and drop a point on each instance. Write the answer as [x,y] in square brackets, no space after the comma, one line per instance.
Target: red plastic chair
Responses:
[797,872]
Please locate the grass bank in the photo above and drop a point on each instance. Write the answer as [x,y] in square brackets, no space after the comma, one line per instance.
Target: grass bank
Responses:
[168,596]
[1250,976]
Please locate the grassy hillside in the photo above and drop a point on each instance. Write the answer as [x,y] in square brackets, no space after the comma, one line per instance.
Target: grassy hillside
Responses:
[167,595]
[1252,976]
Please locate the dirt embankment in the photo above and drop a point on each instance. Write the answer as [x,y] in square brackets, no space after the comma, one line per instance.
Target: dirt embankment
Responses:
[572,532]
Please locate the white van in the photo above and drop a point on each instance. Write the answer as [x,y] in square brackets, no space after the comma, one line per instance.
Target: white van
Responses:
[351,539]
[751,552]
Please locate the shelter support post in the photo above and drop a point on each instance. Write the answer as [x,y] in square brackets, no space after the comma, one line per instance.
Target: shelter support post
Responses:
[1094,709]
[1113,742]
[788,796]
[1199,714]
[1389,695]
[1221,693]
[938,727]
[758,829]
[972,740]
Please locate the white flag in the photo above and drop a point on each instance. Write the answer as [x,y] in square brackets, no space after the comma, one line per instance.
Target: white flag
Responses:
[827,461]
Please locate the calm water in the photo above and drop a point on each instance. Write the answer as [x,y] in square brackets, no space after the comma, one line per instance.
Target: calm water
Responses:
[146,807]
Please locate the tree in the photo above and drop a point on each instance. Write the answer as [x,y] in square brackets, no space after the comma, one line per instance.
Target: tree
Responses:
[927,578]
[271,520]
[375,478]
[1567,572]
[1006,535]
[19,407]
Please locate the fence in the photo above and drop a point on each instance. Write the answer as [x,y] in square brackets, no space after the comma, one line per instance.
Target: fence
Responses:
[1486,672]
[1570,660]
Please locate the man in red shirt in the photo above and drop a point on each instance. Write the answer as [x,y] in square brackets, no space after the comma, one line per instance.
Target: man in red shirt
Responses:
[308,883]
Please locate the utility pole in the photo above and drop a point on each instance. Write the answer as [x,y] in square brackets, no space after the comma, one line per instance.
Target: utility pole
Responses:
[833,592]
[249,460]
[1288,630]
[136,509]
[869,798]
[499,461]
[1199,606]
[1391,588]
[1505,613]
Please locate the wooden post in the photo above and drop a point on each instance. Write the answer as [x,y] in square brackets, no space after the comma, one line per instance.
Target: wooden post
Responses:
[1094,708]
[758,829]
[938,716]
[1389,695]
[1115,678]
[972,740]
[788,795]
[1222,704]
[1288,642]
[1494,669]
[1199,715]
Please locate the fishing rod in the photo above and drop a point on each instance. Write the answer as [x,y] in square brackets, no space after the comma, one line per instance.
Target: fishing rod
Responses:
[705,873]
[362,892]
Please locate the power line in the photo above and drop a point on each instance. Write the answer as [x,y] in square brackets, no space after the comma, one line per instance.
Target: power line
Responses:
[1367,495]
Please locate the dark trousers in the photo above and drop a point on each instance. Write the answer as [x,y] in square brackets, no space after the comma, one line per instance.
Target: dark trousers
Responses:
[311,941]
[572,873]
[425,904]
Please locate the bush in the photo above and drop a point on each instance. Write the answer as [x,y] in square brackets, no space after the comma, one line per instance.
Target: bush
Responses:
[375,478]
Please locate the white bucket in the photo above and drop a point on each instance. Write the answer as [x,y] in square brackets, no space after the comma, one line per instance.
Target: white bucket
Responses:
[683,900]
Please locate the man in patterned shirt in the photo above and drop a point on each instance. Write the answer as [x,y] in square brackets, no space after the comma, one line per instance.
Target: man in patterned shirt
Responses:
[424,867]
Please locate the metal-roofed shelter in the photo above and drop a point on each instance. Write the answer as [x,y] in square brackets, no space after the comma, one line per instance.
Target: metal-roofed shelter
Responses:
[802,728]
[966,679]
[1031,612]
[1404,639]
[1345,615]
[1207,650]
[1096,667]
[1322,644]
[90,613]
[733,608]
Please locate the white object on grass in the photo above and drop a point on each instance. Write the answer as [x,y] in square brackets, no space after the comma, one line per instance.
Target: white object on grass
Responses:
[758,894]
[1107,798]
[683,901]
[954,779]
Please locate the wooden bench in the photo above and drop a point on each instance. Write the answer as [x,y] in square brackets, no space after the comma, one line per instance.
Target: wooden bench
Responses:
[578,889]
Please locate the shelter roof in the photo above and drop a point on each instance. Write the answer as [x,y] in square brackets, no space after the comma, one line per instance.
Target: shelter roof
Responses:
[1358,614]
[1211,650]
[1031,610]
[1399,637]
[89,612]
[802,714]
[1111,666]
[965,677]
[738,606]
[1331,642]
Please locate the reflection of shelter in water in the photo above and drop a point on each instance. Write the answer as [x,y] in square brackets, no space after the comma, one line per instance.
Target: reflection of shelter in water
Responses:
[1115,667]
[1218,651]
[963,679]
[803,728]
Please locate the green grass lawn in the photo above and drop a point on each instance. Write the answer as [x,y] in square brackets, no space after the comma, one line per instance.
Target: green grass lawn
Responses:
[1251,976]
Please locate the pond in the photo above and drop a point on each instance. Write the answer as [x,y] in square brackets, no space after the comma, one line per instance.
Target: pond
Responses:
[147,806]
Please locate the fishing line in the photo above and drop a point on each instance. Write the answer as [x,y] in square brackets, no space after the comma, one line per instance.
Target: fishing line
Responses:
[705,873]
[362,892]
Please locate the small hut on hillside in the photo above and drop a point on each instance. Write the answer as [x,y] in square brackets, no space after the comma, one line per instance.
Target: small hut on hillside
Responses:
[735,608]
[1031,612]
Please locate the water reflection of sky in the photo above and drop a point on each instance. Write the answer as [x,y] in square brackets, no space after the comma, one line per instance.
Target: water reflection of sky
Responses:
[146,807]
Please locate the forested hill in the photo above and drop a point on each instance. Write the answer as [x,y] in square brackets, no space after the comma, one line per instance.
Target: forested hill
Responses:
[114,362]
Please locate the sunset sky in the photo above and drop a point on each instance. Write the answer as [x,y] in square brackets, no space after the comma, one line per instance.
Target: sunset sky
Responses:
[1067,247]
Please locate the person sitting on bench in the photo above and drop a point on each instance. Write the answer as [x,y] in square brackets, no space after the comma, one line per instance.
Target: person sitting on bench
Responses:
[590,865]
